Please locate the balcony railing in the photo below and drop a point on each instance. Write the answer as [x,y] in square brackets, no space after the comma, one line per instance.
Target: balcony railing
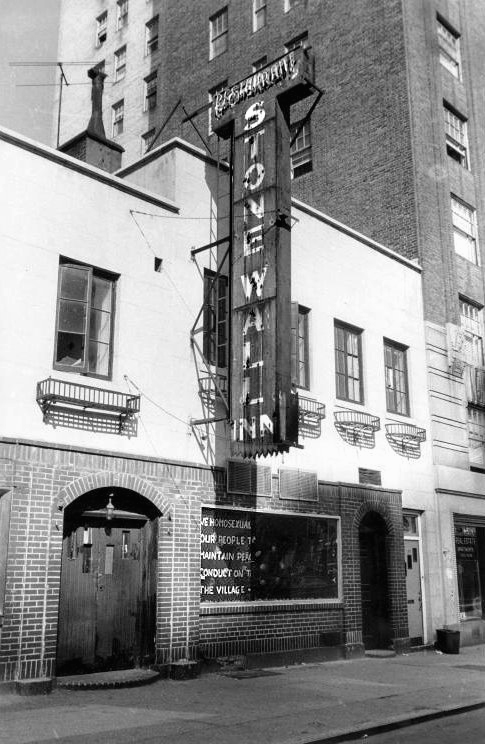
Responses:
[59,393]
[310,415]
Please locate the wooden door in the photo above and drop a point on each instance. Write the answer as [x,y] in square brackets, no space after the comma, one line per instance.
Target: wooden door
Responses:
[376,629]
[108,596]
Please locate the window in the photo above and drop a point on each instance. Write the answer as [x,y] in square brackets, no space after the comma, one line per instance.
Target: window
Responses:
[300,347]
[297,42]
[476,436]
[117,112]
[259,14]
[212,94]
[471,317]
[215,318]
[120,63]
[278,557]
[396,376]
[147,140]
[218,33]
[260,63]
[348,363]
[470,566]
[289,4]
[449,46]
[101,28]
[464,220]
[456,137]
[151,36]
[85,308]
[150,96]
[301,149]
[122,14]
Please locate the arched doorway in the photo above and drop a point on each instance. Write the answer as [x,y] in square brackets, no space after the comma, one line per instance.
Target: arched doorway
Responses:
[376,627]
[107,603]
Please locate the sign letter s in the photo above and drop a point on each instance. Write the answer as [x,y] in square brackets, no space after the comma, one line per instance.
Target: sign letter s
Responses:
[254,115]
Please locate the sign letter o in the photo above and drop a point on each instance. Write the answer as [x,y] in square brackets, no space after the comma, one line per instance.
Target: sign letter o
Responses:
[254,176]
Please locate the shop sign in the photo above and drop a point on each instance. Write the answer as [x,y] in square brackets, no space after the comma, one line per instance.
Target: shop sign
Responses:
[263,406]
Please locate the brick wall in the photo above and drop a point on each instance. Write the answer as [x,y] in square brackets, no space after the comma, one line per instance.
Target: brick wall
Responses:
[44,480]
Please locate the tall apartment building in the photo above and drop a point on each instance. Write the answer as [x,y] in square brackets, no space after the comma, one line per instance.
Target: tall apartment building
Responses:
[395,148]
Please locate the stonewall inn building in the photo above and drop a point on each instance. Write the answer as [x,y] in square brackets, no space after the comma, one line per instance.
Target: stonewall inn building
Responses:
[215,431]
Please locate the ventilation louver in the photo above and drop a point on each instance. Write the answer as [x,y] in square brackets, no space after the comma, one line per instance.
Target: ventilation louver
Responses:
[248,478]
[298,485]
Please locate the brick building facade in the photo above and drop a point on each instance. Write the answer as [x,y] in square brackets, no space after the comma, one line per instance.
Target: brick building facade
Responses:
[103,473]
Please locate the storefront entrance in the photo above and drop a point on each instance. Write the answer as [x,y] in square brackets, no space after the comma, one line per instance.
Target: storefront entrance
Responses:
[108,584]
[376,629]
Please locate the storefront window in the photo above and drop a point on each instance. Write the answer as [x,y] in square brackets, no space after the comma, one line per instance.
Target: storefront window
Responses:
[254,556]
[470,565]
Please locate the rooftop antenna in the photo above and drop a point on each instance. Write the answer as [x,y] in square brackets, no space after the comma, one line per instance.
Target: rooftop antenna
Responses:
[62,80]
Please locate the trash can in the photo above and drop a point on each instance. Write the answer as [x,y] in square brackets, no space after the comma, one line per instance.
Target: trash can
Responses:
[448,641]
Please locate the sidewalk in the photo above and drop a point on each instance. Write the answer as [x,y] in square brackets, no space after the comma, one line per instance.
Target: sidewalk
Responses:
[295,705]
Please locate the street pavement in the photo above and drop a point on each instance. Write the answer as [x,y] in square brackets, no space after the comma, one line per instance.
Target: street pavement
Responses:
[324,702]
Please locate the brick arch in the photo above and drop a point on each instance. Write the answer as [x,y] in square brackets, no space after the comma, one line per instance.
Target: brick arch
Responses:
[373,504]
[104,479]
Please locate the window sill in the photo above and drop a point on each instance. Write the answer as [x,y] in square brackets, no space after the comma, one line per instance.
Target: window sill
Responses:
[284,605]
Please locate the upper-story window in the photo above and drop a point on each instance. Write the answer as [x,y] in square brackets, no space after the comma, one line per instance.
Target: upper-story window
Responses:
[84,321]
[456,136]
[471,321]
[151,36]
[348,363]
[464,220]
[120,63]
[449,45]
[215,317]
[218,33]
[150,96]
[117,120]
[260,63]
[297,42]
[300,345]
[289,4]
[147,140]
[101,28]
[121,13]
[259,14]
[212,94]
[301,149]
[396,376]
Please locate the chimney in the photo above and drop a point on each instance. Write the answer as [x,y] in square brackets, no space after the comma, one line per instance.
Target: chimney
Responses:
[91,146]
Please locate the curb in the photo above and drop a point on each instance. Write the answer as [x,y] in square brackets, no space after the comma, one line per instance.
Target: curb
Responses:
[392,725]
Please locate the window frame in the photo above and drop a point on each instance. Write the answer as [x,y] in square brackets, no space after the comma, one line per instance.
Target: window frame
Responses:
[300,337]
[215,351]
[151,42]
[101,28]
[473,428]
[260,15]
[215,35]
[260,63]
[121,14]
[211,93]
[91,272]
[474,331]
[304,153]
[449,48]
[120,67]
[463,214]
[296,42]
[394,391]
[146,141]
[150,94]
[117,121]
[349,330]
[456,146]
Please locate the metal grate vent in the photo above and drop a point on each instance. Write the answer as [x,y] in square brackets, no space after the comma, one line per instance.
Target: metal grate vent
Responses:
[248,478]
[298,485]
[373,477]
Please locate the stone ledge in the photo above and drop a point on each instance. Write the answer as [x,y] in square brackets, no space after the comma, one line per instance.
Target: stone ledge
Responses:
[34,686]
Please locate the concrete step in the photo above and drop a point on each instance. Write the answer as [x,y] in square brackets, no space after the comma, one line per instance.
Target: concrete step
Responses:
[116,679]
